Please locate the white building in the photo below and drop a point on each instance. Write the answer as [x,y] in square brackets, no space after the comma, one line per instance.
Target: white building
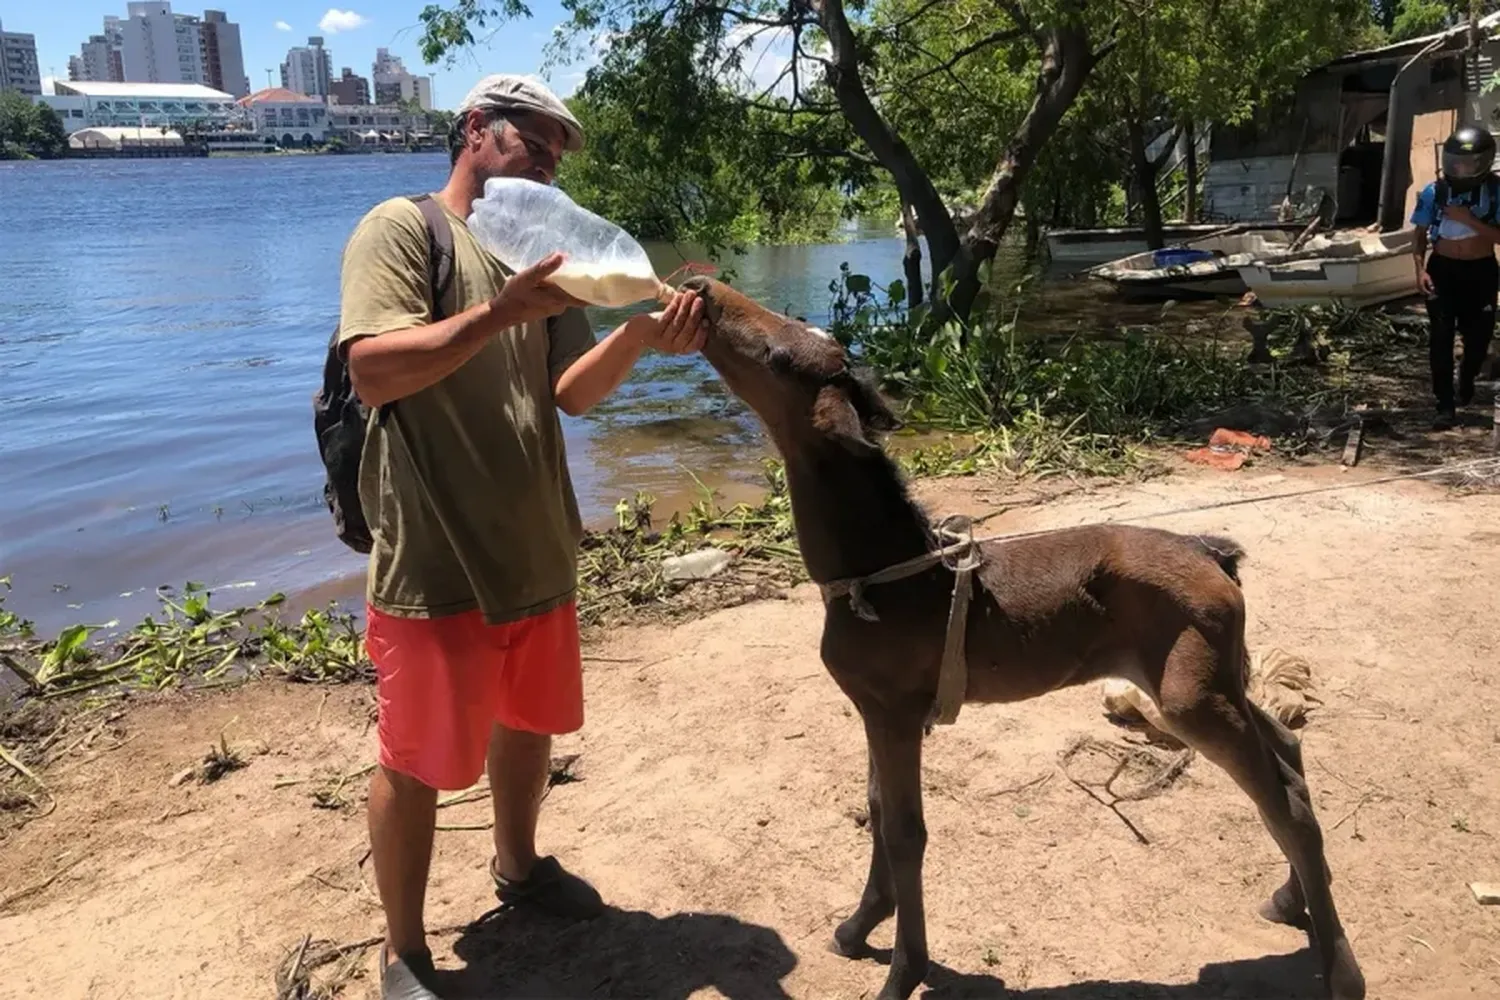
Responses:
[288,118]
[83,105]
[161,47]
[367,125]
[18,65]
[223,56]
[117,137]
[99,59]
[394,85]
[307,69]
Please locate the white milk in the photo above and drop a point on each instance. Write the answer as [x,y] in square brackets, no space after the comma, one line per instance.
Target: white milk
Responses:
[597,284]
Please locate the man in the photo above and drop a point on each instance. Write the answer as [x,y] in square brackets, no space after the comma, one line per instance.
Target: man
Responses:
[472,626]
[1461,278]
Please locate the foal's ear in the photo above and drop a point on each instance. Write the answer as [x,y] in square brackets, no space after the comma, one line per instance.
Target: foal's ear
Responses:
[874,409]
[835,415]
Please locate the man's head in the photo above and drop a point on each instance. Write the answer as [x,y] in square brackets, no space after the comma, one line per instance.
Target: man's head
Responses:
[513,126]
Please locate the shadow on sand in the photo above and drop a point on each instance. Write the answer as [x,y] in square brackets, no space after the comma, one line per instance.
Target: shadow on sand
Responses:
[1273,977]
[623,953]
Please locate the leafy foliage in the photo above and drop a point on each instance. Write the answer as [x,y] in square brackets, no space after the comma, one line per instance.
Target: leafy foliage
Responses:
[28,129]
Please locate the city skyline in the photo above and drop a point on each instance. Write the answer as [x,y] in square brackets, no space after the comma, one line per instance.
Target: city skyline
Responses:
[268,31]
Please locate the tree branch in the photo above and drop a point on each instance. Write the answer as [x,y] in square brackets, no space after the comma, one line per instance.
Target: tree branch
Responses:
[994,38]
[739,18]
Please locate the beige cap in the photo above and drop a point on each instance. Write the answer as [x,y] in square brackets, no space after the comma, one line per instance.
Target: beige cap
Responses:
[509,92]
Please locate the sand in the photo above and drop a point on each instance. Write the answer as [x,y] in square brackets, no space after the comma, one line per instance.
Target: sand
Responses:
[720,806]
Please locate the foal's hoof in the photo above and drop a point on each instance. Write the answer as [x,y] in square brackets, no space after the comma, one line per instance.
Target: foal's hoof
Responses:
[848,941]
[1345,981]
[1285,906]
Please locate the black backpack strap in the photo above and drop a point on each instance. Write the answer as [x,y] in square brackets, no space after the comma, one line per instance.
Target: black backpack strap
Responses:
[439,251]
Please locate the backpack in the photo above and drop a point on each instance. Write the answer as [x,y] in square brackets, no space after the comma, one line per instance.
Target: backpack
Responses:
[340,419]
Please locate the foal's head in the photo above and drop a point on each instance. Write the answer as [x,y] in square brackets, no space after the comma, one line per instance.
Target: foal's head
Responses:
[796,377]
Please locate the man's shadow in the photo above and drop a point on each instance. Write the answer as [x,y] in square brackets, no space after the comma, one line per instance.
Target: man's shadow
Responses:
[623,953]
[1273,977]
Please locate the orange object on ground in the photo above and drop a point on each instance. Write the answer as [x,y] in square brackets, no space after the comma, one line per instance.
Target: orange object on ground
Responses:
[1225,438]
[443,683]
[1214,458]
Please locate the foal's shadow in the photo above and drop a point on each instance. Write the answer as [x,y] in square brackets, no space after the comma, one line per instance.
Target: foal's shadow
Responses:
[623,953]
[1274,977]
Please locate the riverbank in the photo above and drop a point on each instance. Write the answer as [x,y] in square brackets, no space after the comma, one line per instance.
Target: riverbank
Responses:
[717,792]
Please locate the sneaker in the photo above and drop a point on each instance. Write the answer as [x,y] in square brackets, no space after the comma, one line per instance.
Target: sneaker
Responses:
[407,976]
[1446,419]
[549,888]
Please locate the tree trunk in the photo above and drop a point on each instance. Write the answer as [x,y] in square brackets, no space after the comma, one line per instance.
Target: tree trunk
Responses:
[912,183]
[1067,60]
[911,258]
[1190,208]
[1145,183]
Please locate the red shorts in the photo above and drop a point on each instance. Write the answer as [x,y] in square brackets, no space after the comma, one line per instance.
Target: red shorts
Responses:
[443,684]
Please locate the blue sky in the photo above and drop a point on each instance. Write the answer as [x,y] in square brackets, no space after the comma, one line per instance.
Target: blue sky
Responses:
[352,30]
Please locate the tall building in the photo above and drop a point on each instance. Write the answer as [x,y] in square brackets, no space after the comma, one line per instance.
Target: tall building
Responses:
[161,47]
[307,69]
[99,59]
[349,89]
[222,55]
[394,85]
[18,65]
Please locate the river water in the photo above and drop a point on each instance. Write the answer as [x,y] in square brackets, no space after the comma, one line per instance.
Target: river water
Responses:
[162,329]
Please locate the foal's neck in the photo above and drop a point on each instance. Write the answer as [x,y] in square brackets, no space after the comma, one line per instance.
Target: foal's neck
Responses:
[854,516]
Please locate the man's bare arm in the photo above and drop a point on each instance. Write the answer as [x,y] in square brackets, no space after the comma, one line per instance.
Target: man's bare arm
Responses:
[392,365]
[677,329]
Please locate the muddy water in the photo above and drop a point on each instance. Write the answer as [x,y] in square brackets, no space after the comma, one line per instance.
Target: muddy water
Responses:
[162,330]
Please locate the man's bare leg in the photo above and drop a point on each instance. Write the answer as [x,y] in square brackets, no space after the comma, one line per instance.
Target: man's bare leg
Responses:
[403,814]
[518,767]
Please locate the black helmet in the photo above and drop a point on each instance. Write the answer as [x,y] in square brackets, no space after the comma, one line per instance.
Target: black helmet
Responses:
[1468,155]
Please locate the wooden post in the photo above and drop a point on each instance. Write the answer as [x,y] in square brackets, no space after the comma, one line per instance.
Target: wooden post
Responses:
[1190,209]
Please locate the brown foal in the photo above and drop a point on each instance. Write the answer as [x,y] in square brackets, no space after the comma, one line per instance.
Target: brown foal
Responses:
[1162,610]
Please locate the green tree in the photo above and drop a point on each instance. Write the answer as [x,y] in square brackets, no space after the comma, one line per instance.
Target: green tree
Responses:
[826,107]
[29,129]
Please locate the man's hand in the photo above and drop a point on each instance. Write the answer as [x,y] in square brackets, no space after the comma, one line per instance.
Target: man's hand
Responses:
[677,329]
[528,295]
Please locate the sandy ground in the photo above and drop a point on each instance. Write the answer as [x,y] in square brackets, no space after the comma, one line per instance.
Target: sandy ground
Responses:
[721,792]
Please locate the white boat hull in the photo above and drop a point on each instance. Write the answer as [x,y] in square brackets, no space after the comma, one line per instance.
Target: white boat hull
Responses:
[1088,248]
[1368,279]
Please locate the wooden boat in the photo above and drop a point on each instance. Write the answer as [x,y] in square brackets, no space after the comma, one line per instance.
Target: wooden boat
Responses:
[1199,268]
[1366,271]
[1079,249]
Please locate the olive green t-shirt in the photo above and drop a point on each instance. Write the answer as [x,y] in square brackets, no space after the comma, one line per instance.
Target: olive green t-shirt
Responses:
[464,484]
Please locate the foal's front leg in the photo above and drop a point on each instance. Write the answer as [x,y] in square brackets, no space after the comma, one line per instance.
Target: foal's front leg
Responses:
[879,899]
[896,752]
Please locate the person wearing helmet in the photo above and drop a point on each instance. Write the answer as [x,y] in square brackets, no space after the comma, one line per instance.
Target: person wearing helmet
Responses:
[1456,216]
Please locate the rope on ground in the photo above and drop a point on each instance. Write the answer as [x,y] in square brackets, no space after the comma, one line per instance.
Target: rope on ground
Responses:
[1468,468]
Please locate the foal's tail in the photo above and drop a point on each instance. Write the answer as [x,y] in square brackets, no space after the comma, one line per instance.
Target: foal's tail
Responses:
[1224,551]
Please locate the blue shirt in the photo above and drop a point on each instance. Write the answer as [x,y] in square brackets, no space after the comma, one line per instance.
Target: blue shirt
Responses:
[1426,213]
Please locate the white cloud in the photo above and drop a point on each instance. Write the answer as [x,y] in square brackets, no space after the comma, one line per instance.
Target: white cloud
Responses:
[283,26]
[341,20]
[766,57]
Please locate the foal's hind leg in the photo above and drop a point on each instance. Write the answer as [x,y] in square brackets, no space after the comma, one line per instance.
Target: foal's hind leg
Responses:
[1207,710]
[1288,904]
[879,899]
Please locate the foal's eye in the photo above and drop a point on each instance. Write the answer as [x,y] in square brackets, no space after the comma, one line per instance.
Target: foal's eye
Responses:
[780,360]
